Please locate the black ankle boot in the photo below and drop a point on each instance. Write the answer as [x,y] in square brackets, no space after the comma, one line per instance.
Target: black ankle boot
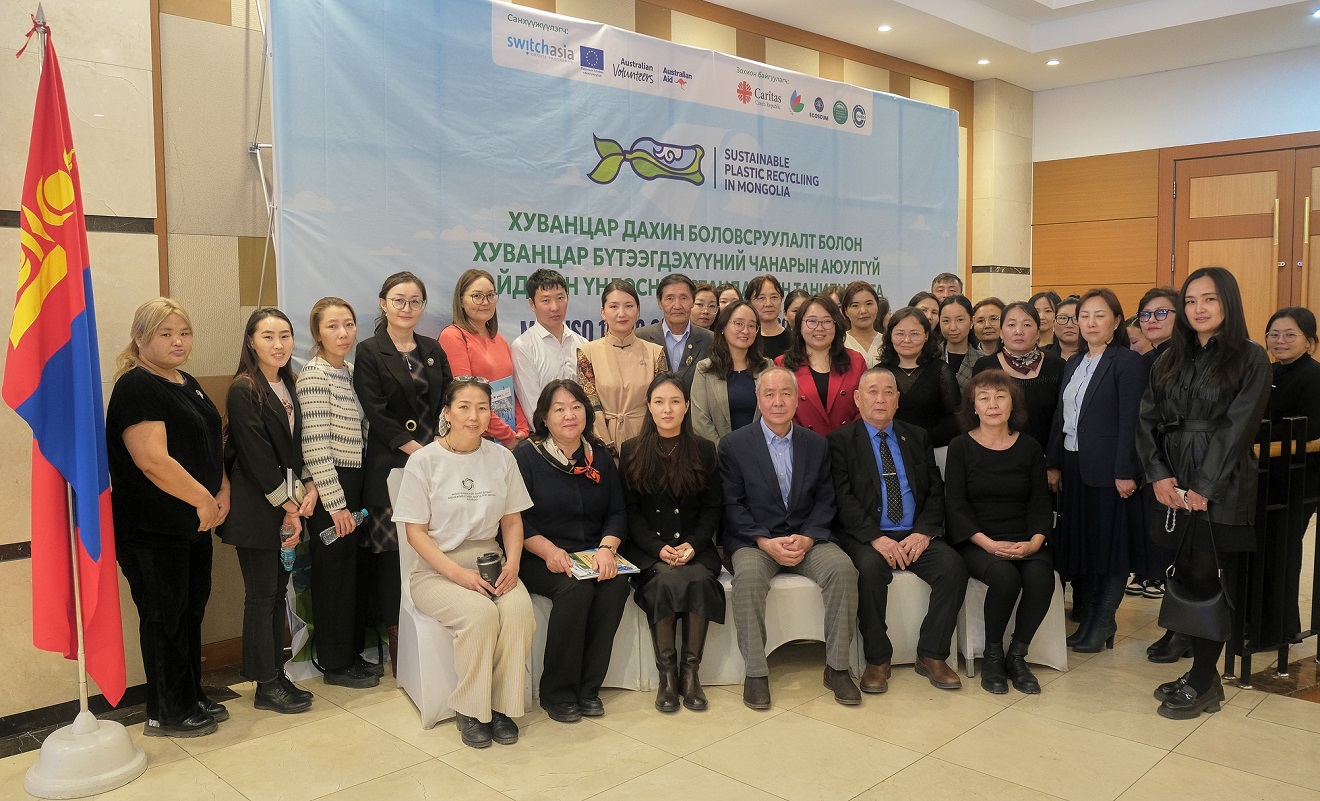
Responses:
[1108,595]
[273,696]
[1082,609]
[694,643]
[1172,647]
[666,663]
[993,679]
[1015,663]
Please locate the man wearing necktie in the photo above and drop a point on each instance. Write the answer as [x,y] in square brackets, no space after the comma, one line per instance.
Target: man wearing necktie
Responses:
[890,497]
[778,510]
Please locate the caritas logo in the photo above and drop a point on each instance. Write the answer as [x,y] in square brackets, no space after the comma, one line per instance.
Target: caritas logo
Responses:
[745,91]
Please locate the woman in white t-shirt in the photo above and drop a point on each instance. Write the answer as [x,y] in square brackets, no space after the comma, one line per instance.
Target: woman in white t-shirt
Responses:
[458,493]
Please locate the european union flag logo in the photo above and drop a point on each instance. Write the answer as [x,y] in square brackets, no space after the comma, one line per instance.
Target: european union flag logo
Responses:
[592,58]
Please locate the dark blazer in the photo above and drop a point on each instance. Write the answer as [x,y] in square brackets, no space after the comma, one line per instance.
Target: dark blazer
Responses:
[753,505]
[857,481]
[1107,424]
[841,409]
[697,347]
[385,389]
[661,518]
[259,452]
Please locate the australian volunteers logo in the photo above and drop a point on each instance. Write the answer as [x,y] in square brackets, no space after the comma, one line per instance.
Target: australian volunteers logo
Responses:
[649,160]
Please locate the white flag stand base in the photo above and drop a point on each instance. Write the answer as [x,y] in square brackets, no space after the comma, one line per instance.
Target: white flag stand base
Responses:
[87,757]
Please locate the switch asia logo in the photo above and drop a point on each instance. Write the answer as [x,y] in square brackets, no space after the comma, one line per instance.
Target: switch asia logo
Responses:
[649,160]
[744,92]
[795,102]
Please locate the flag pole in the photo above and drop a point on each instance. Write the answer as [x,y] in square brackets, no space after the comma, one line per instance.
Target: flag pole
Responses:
[85,722]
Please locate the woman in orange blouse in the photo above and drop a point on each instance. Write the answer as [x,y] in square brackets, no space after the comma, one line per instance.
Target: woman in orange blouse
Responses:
[616,369]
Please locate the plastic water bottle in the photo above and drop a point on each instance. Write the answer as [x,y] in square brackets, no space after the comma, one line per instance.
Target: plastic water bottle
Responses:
[330,535]
[287,552]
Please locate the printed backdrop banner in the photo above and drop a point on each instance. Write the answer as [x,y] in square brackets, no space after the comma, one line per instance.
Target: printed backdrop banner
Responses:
[441,136]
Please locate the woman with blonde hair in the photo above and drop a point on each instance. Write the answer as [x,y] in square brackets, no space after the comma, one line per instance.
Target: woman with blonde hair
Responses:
[170,492]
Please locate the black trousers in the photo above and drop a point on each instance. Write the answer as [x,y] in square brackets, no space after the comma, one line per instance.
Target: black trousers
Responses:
[169,576]
[580,634]
[939,566]
[265,583]
[339,621]
[1029,583]
[1279,536]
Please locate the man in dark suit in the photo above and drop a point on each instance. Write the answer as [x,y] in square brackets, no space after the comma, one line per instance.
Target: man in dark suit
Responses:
[778,506]
[685,343]
[891,517]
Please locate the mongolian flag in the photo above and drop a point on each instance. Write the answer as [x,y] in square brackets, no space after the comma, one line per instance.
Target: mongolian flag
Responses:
[53,380]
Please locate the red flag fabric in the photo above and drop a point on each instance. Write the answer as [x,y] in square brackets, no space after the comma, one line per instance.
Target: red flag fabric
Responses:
[53,380]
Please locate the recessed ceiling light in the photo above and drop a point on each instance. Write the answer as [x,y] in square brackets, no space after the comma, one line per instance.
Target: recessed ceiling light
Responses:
[885,28]
[983,62]
[1316,13]
[1054,62]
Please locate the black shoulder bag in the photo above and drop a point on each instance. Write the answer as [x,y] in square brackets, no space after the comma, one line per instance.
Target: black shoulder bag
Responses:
[1209,619]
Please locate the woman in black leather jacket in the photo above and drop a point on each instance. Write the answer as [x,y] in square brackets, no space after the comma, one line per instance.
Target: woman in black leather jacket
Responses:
[1200,413]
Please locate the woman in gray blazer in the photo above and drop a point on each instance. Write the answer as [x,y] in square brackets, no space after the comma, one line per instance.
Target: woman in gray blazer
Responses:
[724,385]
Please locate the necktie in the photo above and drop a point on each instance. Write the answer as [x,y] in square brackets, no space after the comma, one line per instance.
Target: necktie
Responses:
[893,490]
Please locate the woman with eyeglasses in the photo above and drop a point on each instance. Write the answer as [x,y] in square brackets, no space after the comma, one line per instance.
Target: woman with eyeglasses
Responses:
[475,347]
[927,388]
[1291,339]
[1067,336]
[1199,416]
[960,353]
[1039,373]
[615,370]
[987,317]
[724,384]
[827,372]
[862,306]
[766,295]
[705,305]
[400,377]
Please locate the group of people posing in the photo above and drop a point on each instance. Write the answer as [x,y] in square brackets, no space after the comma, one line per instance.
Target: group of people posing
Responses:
[820,435]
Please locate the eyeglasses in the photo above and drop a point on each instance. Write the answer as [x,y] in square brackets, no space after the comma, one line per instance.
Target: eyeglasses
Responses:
[481,297]
[1154,314]
[1281,336]
[404,303]
[1065,319]
[811,323]
[743,325]
[471,379]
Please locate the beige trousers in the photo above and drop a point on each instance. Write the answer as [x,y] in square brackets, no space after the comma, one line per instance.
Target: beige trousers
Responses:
[492,637]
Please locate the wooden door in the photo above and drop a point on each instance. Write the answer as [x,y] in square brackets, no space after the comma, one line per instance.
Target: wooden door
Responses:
[1236,212]
[1306,229]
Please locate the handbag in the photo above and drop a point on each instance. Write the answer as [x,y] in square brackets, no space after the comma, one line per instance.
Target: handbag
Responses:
[1210,618]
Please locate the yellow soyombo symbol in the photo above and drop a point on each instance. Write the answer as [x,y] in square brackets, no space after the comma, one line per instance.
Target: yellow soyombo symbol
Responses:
[54,201]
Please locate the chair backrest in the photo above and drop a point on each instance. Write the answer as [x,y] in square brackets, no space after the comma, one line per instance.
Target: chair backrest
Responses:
[407,556]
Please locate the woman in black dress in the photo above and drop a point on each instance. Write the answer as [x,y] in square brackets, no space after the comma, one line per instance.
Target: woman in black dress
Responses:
[927,386]
[672,490]
[577,506]
[167,468]
[999,516]
[1092,459]
[1038,372]
[1290,338]
[272,492]
[400,377]
[1199,416]
[766,295]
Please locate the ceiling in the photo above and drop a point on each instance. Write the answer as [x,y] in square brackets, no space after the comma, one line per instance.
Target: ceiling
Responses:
[1094,40]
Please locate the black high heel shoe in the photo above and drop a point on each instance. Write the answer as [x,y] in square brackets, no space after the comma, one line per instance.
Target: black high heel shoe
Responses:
[1178,646]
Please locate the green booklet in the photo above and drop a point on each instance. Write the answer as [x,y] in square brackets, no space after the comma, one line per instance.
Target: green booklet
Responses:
[584,567]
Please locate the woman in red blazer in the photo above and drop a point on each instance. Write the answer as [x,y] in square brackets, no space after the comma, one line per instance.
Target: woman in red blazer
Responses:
[827,372]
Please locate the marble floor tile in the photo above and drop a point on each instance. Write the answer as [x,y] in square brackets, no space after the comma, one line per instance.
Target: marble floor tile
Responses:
[1285,711]
[935,779]
[559,762]
[399,718]
[12,771]
[915,716]
[426,781]
[681,780]
[682,732]
[797,757]
[1051,756]
[1182,778]
[1235,739]
[312,760]
[349,698]
[182,780]
[246,722]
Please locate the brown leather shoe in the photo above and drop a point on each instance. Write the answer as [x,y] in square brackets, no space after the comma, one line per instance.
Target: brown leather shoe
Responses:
[841,684]
[938,672]
[875,679]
